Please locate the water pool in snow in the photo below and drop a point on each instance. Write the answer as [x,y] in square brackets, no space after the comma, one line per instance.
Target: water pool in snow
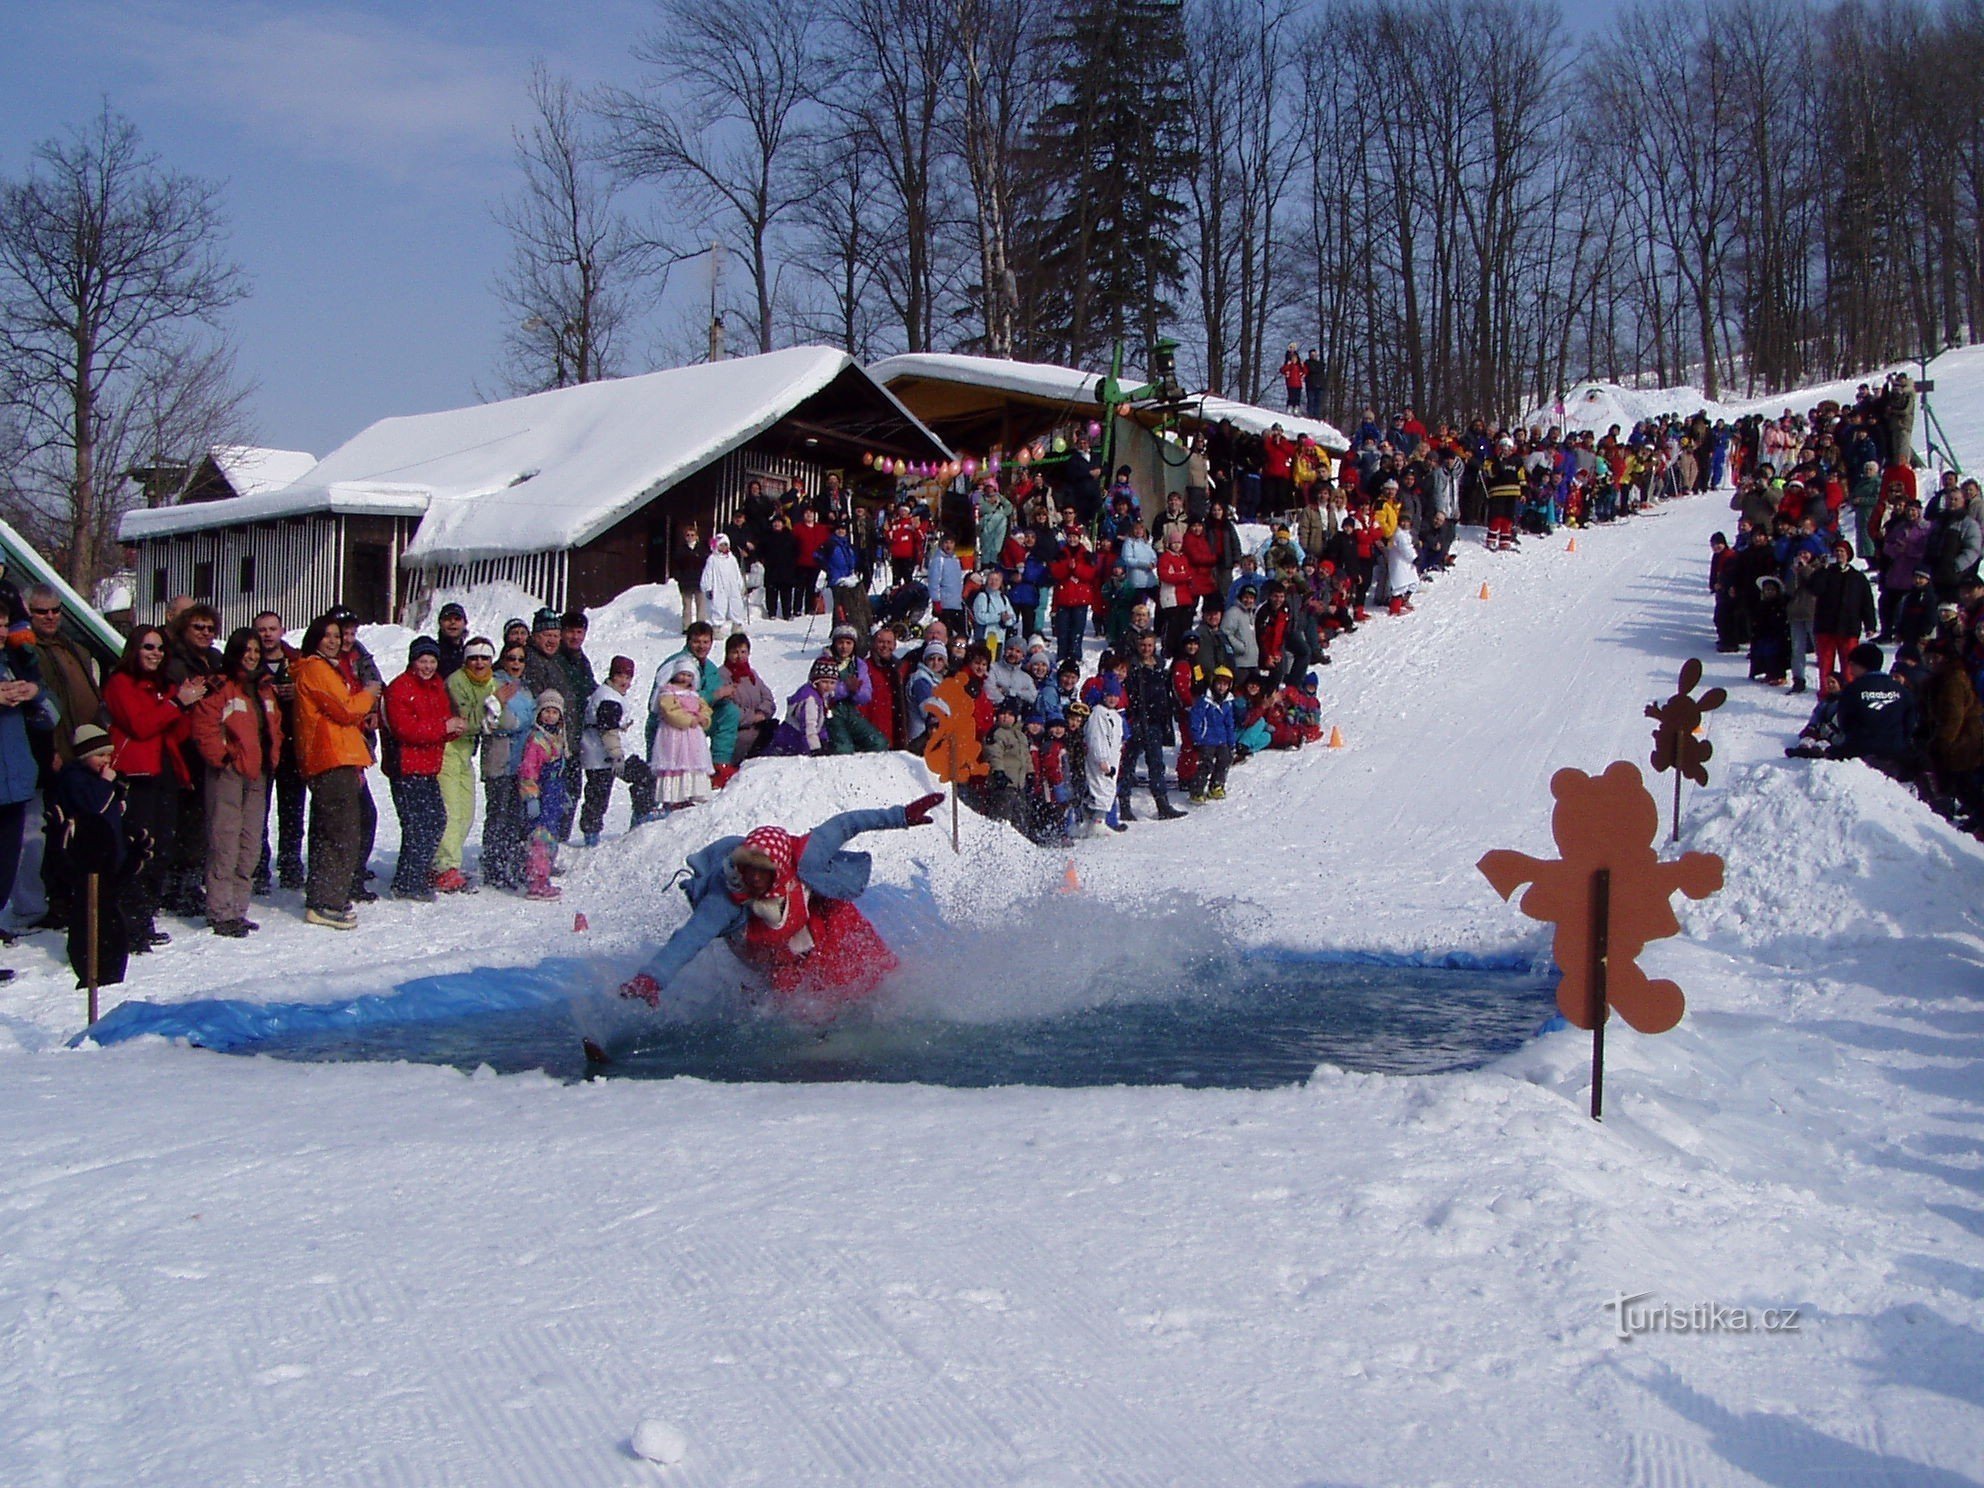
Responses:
[1244,1022]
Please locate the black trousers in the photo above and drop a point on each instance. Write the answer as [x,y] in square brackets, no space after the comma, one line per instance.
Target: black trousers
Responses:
[423,817]
[502,838]
[289,795]
[337,829]
[1150,748]
[599,792]
[151,806]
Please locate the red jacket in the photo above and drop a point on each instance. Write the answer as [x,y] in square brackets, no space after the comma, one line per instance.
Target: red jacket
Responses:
[146,726]
[1204,558]
[1075,575]
[418,712]
[1277,454]
[906,539]
[811,537]
[885,703]
[1271,632]
[1175,570]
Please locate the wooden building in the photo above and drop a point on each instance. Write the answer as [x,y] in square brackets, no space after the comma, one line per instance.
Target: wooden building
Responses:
[574,495]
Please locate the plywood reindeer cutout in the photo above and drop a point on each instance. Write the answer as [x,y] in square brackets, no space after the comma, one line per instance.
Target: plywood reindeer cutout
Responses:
[1676,744]
[1608,897]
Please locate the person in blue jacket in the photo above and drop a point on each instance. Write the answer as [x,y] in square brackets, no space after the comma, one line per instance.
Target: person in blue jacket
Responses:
[1214,731]
[24,704]
[785,905]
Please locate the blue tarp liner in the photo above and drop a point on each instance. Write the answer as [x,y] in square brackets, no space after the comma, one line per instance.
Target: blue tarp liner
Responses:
[228,1024]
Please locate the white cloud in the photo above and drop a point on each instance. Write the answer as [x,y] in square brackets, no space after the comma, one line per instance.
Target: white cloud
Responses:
[333,83]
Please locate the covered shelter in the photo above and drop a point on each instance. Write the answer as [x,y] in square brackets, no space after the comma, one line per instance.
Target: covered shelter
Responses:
[978,404]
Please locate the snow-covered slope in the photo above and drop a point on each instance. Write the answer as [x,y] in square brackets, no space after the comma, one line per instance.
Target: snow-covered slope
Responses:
[236,1270]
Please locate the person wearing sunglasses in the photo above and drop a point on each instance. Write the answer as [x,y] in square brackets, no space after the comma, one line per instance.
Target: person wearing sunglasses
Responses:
[71,678]
[148,725]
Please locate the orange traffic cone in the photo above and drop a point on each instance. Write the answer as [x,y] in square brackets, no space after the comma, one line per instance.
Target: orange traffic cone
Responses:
[579,925]
[1336,737]
[1571,546]
[1484,592]
[1071,882]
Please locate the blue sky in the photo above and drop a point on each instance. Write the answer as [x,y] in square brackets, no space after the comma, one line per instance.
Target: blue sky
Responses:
[361,146]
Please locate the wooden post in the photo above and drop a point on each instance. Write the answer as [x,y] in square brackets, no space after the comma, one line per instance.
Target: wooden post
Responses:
[90,921]
[1677,804]
[956,847]
[1601,924]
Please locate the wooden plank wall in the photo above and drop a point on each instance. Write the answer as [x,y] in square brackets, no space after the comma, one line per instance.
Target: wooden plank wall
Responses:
[298,568]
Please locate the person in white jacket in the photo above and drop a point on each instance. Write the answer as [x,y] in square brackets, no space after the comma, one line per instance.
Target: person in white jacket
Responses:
[1401,569]
[723,588]
[1102,738]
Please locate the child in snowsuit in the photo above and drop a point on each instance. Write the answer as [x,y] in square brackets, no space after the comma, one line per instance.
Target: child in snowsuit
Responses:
[541,787]
[1770,632]
[603,754]
[1102,746]
[1214,730]
[682,743]
[804,731]
[1053,819]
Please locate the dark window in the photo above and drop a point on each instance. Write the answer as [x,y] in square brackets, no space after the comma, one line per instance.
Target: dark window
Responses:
[247,573]
[203,579]
[160,583]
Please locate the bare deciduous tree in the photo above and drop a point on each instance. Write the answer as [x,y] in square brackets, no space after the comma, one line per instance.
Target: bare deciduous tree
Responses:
[721,121]
[577,267]
[113,280]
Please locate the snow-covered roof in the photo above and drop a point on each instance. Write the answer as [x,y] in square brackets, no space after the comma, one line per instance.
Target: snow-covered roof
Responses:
[304,499]
[1044,382]
[1041,380]
[1251,418]
[552,470]
[253,471]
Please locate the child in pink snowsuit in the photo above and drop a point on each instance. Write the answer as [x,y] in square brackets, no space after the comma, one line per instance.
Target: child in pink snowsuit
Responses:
[541,788]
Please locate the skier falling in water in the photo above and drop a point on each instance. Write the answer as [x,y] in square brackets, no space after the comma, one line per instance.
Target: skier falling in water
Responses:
[785,903]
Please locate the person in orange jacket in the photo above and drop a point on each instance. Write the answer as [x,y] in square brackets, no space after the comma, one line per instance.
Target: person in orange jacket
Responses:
[333,754]
[237,730]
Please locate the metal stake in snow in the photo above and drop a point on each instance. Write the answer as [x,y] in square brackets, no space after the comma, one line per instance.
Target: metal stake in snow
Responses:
[1677,741]
[1601,927]
[1607,896]
[91,920]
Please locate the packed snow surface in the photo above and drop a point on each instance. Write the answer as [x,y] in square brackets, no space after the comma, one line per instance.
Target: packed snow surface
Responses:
[219,1269]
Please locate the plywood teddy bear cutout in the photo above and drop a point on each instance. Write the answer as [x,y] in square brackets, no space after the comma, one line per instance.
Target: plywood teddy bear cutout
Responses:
[1606,822]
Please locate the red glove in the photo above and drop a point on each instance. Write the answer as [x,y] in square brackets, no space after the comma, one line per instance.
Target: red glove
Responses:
[644,987]
[917,812]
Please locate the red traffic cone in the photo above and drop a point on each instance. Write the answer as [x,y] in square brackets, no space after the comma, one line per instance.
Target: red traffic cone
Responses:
[579,925]
[1071,882]
[1336,737]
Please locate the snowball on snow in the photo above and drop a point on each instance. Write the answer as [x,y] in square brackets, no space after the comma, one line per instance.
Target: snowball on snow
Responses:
[658,1441]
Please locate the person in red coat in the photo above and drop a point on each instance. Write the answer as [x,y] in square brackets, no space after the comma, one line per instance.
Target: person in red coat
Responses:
[1277,471]
[147,727]
[1076,577]
[809,538]
[885,708]
[1203,555]
[422,718]
[905,540]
